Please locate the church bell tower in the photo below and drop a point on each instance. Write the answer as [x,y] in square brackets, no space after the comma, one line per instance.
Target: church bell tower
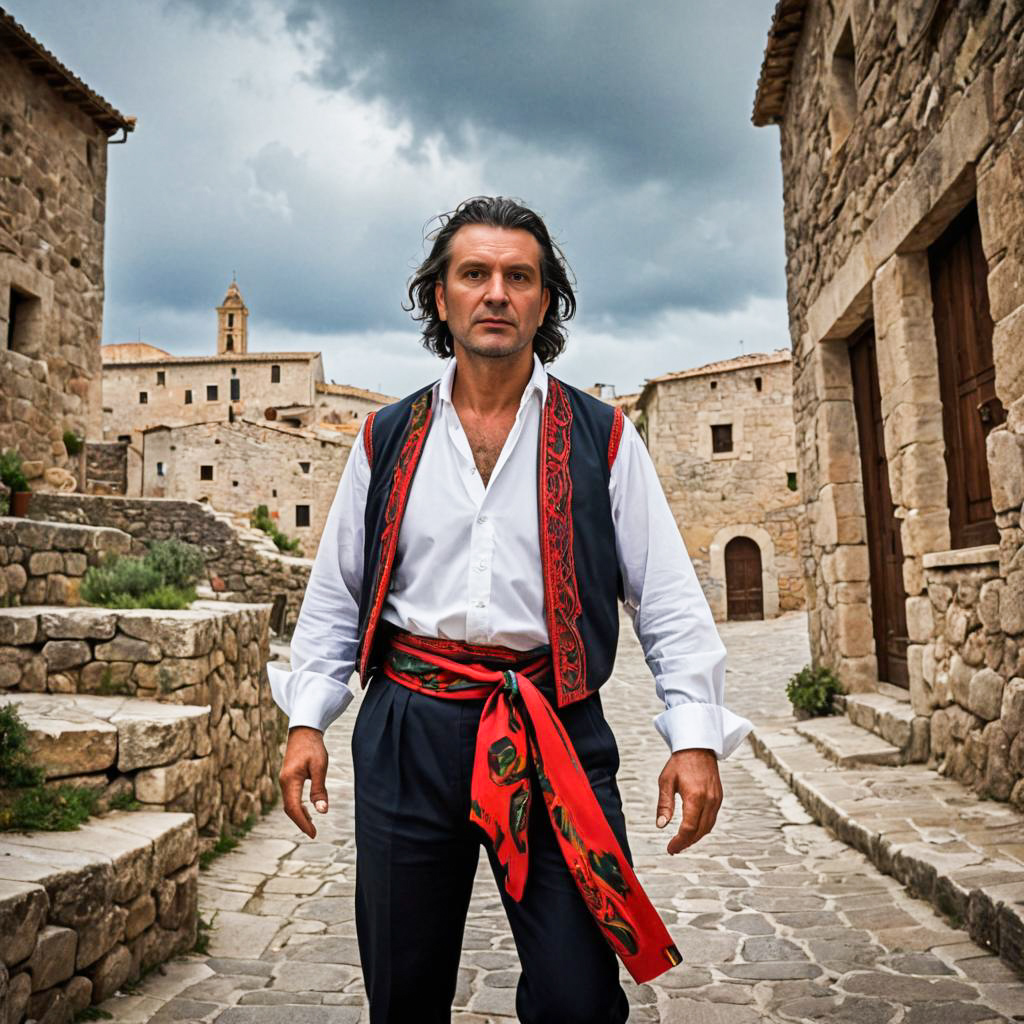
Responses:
[232,329]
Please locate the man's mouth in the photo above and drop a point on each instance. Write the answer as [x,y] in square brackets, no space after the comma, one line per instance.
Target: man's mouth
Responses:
[495,322]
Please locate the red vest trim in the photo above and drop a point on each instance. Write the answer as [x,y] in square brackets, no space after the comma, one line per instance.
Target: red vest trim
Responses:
[562,605]
[368,438]
[401,481]
[613,441]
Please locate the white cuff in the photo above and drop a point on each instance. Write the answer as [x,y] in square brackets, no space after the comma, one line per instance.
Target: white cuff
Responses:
[308,698]
[695,724]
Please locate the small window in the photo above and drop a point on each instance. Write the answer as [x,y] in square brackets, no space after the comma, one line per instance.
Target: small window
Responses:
[714,384]
[230,343]
[234,483]
[302,515]
[721,437]
[304,466]
[791,481]
[161,377]
[24,320]
[757,383]
[231,319]
[273,493]
[843,88]
[236,389]
[188,396]
[206,472]
[159,469]
[125,438]
[275,374]
[90,154]
[211,392]
[234,371]
[143,398]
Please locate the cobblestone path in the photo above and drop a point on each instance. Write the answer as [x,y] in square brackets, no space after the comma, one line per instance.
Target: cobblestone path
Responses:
[776,920]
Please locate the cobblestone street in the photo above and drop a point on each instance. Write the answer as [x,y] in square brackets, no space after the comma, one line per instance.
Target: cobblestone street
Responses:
[776,920]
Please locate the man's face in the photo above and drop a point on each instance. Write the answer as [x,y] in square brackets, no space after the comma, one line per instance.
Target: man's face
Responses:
[492,297]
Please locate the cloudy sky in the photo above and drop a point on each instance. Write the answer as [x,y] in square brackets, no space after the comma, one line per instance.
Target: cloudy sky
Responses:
[306,145]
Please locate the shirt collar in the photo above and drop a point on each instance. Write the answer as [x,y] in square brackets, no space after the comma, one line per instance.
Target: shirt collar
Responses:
[538,382]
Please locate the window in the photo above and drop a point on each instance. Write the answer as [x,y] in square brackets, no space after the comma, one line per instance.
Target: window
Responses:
[757,383]
[143,398]
[125,438]
[791,481]
[206,472]
[230,344]
[843,88]
[275,374]
[302,515]
[304,466]
[273,493]
[211,392]
[159,469]
[721,437]
[188,396]
[236,389]
[714,384]
[231,319]
[234,483]
[161,377]
[24,319]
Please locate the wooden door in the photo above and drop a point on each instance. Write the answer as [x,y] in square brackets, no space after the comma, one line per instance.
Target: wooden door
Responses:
[970,408]
[743,592]
[885,548]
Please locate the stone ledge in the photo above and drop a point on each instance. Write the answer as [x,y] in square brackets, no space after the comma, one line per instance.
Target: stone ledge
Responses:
[846,744]
[84,912]
[984,554]
[893,720]
[963,854]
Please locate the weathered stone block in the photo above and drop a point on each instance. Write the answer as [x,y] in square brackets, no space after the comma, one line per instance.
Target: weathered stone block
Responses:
[151,734]
[141,914]
[126,648]
[1011,603]
[110,973]
[53,959]
[18,626]
[1006,469]
[23,909]
[920,620]
[82,623]
[65,654]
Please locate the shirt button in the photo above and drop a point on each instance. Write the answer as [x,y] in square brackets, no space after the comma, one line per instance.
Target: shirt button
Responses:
[481,520]
[480,604]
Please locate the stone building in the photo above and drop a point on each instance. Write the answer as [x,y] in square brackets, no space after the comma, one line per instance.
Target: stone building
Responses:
[237,466]
[902,146]
[54,133]
[721,437]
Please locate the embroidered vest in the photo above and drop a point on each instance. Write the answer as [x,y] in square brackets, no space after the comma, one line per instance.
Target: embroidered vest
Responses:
[579,439]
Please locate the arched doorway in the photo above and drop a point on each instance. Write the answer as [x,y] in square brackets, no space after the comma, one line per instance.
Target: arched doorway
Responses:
[743,591]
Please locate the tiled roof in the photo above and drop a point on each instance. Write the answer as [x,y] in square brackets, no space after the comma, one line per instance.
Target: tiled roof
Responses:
[783,39]
[144,359]
[353,392]
[780,355]
[27,49]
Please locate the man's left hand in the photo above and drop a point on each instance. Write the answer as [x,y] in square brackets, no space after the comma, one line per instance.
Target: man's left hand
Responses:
[693,774]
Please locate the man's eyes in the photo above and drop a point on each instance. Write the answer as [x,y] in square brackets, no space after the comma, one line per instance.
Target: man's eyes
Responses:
[515,275]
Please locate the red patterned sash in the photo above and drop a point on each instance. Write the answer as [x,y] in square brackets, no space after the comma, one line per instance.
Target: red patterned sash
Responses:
[518,727]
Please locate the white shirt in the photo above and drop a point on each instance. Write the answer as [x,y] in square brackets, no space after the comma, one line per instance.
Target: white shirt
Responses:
[468,568]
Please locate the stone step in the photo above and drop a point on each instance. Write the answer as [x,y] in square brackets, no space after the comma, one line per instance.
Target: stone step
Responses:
[846,744]
[79,734]
[890,715]
[947,845]
[84,912]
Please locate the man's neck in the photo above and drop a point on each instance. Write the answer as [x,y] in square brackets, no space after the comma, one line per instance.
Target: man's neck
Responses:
[485,386]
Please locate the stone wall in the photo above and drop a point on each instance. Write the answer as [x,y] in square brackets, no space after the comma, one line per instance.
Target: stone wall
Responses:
[84,912]
[43,563]
[745,492]
[222,766]
[54,161]
[106,467]
[241,565]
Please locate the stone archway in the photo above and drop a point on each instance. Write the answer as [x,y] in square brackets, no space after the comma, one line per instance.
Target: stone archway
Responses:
[716,590]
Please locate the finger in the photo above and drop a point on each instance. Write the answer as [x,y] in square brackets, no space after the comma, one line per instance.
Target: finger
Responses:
[291,798]
[666,801]
[693,806]
[318,783]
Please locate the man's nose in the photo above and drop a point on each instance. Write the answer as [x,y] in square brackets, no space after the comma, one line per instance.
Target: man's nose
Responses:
[496,291]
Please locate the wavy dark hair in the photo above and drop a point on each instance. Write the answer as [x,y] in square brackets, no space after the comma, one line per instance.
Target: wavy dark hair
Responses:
[495,212]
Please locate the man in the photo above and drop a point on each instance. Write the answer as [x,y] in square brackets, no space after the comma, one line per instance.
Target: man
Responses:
[480,538]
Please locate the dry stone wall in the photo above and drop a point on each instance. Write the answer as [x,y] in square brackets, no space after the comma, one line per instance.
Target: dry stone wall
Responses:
[239,568]
[82,913]
[219,760]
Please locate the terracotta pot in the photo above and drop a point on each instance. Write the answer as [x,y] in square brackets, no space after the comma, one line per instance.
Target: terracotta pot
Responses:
[19,502]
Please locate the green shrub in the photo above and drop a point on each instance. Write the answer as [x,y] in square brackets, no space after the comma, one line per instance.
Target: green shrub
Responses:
[162,578]
[260,518]
[10,471]
[25,803]
[812,689]
[72,442]
[179,564]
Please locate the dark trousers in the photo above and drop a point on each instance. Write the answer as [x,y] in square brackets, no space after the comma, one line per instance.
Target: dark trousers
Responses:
[416,857]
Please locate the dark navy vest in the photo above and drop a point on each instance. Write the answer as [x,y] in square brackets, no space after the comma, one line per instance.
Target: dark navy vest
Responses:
[579,438]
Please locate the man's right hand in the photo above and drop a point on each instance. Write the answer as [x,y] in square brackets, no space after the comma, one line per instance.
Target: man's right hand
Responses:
[305,757]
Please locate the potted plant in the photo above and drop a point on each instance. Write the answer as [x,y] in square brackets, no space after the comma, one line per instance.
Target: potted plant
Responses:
[14,478]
